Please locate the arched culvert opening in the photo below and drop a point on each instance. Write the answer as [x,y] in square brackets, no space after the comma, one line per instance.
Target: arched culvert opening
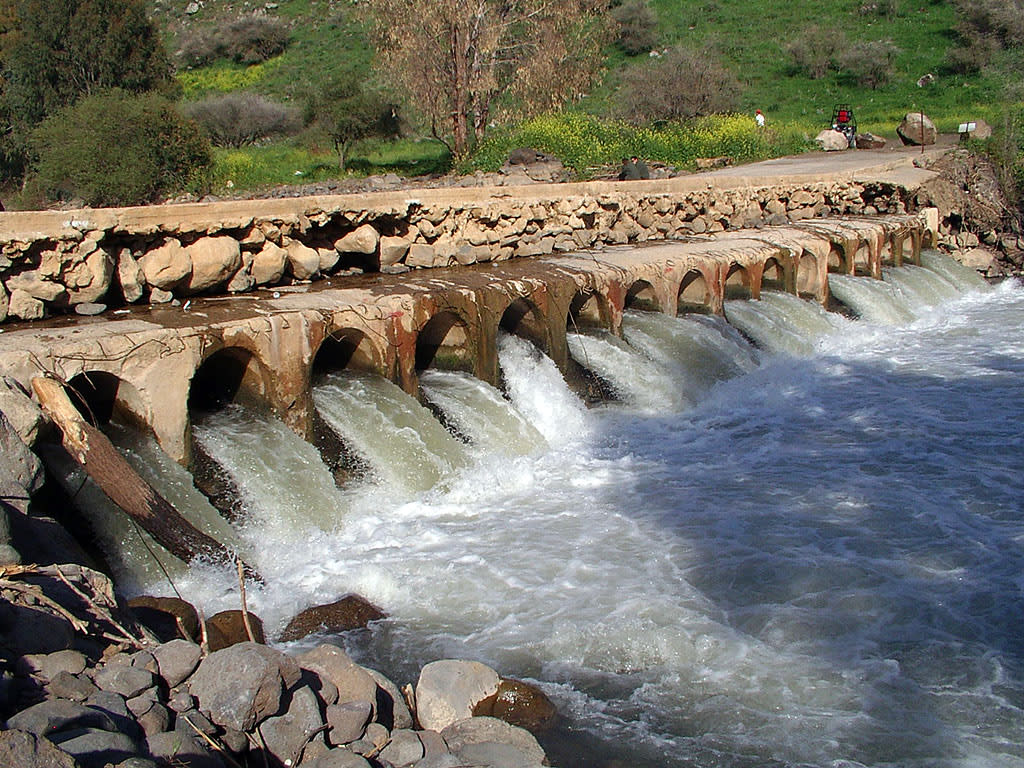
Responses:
[444,343]
[347,348]
[808,283]
[773,277]
[641,296]
[585,311]
[103,398]
[694,294]
[522,318]
[232,375]
[737,283]
[862,260]
[837,260]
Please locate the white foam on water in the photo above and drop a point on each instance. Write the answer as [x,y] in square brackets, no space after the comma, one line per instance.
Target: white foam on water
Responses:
[817,564]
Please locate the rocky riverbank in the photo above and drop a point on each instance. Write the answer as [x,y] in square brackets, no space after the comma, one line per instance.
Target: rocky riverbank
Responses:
[89,680]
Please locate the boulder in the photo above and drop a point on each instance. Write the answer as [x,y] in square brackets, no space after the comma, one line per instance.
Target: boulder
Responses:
[488,741]
[167,617]
[64,685]
[166,267]
[180,748]
[37,285]
[24,306]
[19,466]
[519,703]
[91,279]
[350,612]
[916,129]
[177,660]
[46,666]
[334,665]
[241,686]
[94,748]
[392,709]
[448,690]
[124,680]
[214,261]
[393,249]
[363,240]
[56,715]
[340,758]
[227,628]
[303,261]
[26,750]
[832,141]
[269,264]
[130,276]
[24,415]
[869,141]
[328,259]
[347,722]
[982,259]
[404,748]
[981,131]
[285,735]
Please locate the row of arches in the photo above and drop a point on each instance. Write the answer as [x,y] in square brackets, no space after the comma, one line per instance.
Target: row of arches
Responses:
[444,325]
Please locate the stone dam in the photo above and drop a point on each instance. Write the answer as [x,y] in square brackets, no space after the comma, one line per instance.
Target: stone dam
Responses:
[246,300]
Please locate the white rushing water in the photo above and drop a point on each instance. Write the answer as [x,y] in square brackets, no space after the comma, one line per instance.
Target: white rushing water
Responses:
[810,555]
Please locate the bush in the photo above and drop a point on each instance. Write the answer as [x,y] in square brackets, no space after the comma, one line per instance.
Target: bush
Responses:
[869,63]
[682,84]
[814,50]
[116,148]
[237,119]
[637,27]
[248,40]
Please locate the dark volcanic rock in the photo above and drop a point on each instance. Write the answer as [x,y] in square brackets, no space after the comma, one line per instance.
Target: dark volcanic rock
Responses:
[351,612]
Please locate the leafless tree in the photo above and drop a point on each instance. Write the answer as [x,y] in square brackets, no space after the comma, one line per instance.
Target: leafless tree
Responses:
[455,58]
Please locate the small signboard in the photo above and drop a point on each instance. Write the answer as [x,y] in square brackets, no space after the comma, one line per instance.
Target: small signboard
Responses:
[967,127]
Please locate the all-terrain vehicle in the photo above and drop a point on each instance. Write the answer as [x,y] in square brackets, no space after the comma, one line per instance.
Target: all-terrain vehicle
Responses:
[844,122]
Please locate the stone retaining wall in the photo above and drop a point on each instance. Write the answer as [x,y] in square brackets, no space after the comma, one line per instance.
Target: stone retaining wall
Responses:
[89,260]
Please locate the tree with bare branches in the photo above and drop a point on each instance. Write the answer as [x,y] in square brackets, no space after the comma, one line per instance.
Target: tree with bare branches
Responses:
[455,58]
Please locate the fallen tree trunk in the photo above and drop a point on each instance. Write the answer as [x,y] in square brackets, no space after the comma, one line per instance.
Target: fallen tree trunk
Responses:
[118,480]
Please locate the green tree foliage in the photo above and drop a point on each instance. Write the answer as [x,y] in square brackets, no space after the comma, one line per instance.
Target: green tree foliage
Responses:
[56,51]
[117,148]
[347,113]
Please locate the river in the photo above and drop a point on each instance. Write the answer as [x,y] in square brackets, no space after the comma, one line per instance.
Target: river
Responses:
[808,552]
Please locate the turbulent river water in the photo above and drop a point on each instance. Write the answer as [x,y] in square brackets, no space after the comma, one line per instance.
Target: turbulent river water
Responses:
[803,551]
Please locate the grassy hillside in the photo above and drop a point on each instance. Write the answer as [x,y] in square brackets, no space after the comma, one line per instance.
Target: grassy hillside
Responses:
[328,38]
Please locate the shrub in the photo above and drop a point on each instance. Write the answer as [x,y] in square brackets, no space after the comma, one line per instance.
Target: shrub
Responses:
[236,119]
[869,63]
[682,84]
[248,40]
[814,50]
[116,148]
[637,27]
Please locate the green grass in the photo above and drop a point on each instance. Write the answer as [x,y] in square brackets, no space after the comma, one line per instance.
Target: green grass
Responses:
[330,39]
[259,167]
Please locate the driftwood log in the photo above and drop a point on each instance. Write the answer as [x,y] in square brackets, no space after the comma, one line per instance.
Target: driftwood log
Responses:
[117,479]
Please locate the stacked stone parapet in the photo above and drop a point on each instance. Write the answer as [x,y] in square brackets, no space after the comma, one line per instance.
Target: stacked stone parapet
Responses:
[87,261]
